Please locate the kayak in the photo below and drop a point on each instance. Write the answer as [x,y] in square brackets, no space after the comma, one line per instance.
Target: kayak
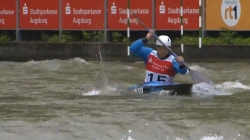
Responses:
[156,87]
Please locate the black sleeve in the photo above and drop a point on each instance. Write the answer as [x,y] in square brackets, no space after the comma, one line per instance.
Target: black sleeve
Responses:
[144,40]
[181,66]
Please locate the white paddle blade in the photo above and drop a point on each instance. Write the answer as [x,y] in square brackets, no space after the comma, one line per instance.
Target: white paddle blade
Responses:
[199,78]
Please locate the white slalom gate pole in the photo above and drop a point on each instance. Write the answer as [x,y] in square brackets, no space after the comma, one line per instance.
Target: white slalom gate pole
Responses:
[181,14]
[128,29]
[200,11]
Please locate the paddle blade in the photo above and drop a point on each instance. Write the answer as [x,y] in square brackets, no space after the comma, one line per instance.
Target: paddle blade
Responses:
[199,78]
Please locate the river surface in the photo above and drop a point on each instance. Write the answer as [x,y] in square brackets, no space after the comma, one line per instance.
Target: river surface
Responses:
[79,100]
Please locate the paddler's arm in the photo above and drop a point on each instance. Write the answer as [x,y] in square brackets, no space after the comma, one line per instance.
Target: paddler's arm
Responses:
[179,68]
[138,48]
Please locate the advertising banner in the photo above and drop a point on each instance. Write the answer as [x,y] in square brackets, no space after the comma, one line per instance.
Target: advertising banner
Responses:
[230,14]
[39,15]
[8,14]
[117,14]
[167,15]
[83,14]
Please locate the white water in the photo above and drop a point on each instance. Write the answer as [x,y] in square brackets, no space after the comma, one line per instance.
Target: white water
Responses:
[201,89]
[48,84]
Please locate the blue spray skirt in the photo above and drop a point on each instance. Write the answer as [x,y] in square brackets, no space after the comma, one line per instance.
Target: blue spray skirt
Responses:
[156,87]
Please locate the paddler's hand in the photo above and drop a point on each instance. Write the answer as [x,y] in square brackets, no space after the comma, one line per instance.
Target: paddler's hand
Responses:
[179,59]
[150,34]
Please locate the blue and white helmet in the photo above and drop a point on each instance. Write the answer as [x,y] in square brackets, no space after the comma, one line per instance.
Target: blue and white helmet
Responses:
[164,39]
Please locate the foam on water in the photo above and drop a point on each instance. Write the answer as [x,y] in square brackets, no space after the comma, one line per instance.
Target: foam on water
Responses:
[205,89]
[128,67]
[229,84]
[213,137]
[77,59]
[209,137]
[45,64]
[106,91]
[225,88]
[92,92]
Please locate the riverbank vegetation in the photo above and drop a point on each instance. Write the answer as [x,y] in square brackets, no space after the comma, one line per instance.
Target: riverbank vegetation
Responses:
[190,37]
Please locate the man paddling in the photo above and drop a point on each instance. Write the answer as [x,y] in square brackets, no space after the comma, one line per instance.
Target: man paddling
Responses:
[161,66]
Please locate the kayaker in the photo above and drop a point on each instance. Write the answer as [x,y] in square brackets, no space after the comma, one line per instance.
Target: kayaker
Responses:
[161,66]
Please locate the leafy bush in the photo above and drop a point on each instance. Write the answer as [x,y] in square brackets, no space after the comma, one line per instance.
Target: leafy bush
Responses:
[117,37]
[54,38]
[94,36]
[68,36]
[225,36]
[4,37]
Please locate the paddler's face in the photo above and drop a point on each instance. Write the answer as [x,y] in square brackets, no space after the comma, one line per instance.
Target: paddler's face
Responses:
[162,51]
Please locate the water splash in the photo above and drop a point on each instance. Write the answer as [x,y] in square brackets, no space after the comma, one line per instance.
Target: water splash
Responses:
[127,137]
[225,88]
[105,91]
[101,81]
[205,89]
[101,86]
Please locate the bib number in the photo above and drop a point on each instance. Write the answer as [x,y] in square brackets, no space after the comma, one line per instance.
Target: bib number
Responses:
[160,78]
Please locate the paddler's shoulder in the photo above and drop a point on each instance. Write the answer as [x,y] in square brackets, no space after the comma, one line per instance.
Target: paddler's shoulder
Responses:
[144,40]
[139,43]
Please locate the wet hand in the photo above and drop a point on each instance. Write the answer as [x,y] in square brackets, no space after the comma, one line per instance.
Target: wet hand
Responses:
[150,34]
[179,59]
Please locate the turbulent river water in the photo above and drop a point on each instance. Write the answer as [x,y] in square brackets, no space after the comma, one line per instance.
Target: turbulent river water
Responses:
[79,100]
